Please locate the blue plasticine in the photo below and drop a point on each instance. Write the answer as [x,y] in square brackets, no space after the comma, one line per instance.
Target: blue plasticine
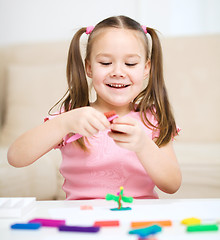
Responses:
[120,209]
[26,226]
[144,232]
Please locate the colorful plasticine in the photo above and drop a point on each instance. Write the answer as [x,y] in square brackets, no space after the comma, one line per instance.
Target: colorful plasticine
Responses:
[106,223]
[91,229]
[148,238]
[202,228]
[120,197]
[86,207]
[191,221]
[26,226]
[149,223]
[145,232]
[48,222]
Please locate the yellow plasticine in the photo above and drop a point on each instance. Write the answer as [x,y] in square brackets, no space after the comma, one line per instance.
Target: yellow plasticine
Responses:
[191,221]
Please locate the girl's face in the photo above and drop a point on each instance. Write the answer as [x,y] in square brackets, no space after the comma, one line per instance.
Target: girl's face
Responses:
[118,67]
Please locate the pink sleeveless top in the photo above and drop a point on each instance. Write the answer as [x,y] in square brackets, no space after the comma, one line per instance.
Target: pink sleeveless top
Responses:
[105,167]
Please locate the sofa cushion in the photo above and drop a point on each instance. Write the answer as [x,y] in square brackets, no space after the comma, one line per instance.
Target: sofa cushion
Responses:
[200,166]
[31,92]
[41,179]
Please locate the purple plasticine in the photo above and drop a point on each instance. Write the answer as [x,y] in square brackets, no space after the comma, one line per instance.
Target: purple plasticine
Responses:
[78,229]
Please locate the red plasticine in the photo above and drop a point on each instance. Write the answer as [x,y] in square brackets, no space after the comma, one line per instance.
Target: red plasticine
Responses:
[106,223]
[111,115]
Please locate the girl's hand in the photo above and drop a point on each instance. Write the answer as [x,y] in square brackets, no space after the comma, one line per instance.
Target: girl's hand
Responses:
[86,121]
[160,163]
[128,133]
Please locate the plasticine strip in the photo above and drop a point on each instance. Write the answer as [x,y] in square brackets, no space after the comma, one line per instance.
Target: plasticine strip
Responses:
[149,223]
[26,226]
[202,228]
[66,228]
[86,207]
[106,223]
[145,232]
[191,221]
[148,238]
[48,222]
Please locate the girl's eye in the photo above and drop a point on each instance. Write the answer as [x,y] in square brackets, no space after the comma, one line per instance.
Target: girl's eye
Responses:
[105,63]
[130,64]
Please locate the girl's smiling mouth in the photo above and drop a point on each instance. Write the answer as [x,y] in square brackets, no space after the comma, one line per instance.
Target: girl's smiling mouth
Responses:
[117,85]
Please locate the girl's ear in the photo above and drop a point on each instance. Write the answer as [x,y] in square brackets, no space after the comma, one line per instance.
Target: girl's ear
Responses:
[147,68]
[88,69]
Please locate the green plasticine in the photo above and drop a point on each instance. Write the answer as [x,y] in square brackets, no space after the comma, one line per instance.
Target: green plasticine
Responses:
[202,227]
[119,198]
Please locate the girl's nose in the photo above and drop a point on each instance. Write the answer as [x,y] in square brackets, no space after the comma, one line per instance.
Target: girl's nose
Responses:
[117,72]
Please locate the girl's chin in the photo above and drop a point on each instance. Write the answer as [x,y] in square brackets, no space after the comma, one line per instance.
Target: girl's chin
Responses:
[118,103]
[115,100]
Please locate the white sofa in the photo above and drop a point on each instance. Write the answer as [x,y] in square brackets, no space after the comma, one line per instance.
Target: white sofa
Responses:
[32,79]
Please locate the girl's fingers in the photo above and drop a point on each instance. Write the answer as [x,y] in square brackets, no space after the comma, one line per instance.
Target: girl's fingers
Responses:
[102,118]
[96,122]
[119,137]
[122,128]
[125,120]
[124,125]
[89,131]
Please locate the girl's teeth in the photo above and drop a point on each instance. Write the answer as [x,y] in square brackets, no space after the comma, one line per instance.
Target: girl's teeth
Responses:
[117,85]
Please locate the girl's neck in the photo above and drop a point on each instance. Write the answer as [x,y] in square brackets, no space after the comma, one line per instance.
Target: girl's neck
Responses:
[120,110]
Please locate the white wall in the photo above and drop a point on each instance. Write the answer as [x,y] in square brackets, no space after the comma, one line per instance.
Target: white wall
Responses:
[45,20]
[181,17]
[40,20]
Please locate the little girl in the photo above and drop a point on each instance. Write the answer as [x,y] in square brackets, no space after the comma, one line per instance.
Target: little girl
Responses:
[134,150]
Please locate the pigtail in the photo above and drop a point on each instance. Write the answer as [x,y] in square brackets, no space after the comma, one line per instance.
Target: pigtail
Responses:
[155,95]
[76,77]
[77,94]
[78,91]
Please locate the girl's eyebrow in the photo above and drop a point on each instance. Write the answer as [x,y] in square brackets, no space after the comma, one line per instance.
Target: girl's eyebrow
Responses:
[103,55]
[133,56]
[126,56]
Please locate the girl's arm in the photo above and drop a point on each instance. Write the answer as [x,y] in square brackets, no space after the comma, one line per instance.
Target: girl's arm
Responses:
[162,165]
[38,141]
[159,162]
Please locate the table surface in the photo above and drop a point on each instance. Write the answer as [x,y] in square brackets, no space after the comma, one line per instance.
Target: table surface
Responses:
[208,210]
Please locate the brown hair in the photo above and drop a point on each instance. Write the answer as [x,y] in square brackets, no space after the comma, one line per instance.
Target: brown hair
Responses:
[154,97]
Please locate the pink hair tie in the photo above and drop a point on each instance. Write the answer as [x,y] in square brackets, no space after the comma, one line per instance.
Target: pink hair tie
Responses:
[89,29]
[144,29]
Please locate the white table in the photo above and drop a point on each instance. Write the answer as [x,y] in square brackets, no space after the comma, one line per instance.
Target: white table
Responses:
[160,209]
